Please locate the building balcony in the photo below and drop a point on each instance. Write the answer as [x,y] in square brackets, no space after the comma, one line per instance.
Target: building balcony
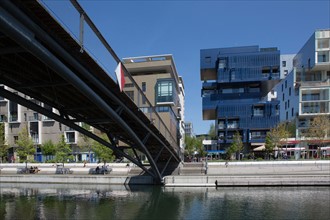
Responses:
[45,118]
[13,119]
[35,118]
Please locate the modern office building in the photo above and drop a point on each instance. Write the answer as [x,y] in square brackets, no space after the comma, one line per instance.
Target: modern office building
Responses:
[40,128]
[159,81]
[189,129]
[236,83]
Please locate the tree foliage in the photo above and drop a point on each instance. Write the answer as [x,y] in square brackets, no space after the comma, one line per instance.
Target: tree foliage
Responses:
[278,133]
[63,151]
[319,130]
[103,153]
[193,145]
[190,146]
[25,149]
[199,146]
[3,146]
[269,145]
[236,146]
[48,148]
[212,132]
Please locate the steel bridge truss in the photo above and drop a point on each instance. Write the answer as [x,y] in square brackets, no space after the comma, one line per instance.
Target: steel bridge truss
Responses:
[37,64]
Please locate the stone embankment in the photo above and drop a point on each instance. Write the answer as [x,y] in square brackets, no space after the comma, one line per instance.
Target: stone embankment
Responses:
[272,173]
[268,173]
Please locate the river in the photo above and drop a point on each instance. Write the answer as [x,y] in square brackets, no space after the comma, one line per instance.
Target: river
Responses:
[69,201]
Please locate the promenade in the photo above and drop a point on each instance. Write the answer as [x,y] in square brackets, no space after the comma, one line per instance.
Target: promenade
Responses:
[263,173]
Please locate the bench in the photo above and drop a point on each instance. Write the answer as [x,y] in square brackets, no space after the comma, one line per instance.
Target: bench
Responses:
[63,170]
[100,171]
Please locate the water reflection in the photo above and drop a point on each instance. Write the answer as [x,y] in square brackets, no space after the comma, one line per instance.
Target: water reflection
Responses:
[61,201]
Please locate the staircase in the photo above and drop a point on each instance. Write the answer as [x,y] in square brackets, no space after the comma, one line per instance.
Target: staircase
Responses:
[192,169]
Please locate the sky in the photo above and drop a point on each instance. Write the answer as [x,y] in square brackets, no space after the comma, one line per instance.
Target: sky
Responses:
[182,28]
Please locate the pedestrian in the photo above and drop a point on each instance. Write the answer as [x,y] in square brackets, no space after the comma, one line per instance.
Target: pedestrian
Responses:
[216,183]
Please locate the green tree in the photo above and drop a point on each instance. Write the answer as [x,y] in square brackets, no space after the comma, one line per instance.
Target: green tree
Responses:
[199,146]
[25,149]
[103,153]
[278,134]
[3,146]
[269,145]
[318,131]
[237,145]
[48,149]
[190,147]
[63,151]
[212,132]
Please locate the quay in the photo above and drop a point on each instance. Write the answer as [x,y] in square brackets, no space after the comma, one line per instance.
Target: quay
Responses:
[235,174]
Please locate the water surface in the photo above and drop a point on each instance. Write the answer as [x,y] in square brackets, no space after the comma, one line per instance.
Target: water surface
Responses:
[63,201]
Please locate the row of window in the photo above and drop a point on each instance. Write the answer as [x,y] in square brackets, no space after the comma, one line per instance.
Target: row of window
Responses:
[246,61]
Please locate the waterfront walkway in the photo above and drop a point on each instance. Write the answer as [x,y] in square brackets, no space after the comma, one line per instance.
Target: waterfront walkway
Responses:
[264,173]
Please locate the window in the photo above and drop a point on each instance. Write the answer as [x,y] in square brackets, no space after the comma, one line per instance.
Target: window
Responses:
[286,72]
[3,118]
[283,63]
[323,56]
[221,125]
[289,103]
[144,86]
[283,96]
[145,109]
[222,62]
[128,85]
[164,91]
[15,139]
[70,137]
[286,84]
[322,43]
[258,110]
[292,112]
[287,116]
[163,109]
[290,91]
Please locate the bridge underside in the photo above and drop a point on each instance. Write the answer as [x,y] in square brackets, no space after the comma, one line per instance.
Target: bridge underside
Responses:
[41,60]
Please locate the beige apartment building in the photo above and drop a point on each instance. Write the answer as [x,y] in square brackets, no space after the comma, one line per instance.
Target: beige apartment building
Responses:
[41,128]
[158,79]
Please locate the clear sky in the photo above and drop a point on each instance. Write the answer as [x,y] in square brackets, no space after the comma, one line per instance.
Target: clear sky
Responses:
[182,28]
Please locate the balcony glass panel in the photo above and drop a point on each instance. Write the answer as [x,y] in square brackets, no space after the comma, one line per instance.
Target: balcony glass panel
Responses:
[315,107]
[323,43]
[323,56]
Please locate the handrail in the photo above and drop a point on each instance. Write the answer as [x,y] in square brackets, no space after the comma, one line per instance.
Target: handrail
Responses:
[162,128]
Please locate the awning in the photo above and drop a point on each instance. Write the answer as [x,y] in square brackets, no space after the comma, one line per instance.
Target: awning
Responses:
[260,148]
[216,151]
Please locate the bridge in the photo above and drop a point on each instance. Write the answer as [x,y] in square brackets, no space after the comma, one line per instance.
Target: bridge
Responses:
[41,60]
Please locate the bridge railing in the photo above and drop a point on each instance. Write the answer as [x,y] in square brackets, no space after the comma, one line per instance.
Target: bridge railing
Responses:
[93,43]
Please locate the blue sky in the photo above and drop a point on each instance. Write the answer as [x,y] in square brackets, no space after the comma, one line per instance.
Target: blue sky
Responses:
[182,28]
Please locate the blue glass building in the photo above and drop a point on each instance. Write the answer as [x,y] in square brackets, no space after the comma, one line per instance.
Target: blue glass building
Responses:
[235,91]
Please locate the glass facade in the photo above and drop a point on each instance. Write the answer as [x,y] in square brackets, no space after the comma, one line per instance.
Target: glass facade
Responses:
[235,98]
[165,91]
